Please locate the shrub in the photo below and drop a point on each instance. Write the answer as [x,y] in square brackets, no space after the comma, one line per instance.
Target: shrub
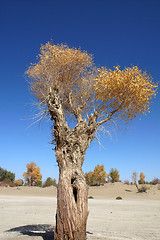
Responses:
[118,198]
[6,183]
[126,182]
[90,197]
[49,182]
[114,175]
[142,189]
[155,181]
[39,183]
[18,182]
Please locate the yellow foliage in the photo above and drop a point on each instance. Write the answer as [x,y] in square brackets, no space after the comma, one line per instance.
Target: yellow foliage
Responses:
[142,177]
[33,174]
[82,86]
[128,91]
[64,68]
[97,177]
[18,182]
[100,173]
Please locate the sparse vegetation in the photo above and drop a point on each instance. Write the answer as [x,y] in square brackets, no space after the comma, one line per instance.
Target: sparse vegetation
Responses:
[142,189]
[114,175]
[97,177]
[18,182]
[118,198]
[49,182]
[90,197]
[155,181]
[126,182]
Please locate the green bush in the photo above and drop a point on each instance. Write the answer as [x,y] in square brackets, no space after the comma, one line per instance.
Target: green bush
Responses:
[49,182]
[90,197]
[114,175]
[39,183]
[6,175]
[118,198]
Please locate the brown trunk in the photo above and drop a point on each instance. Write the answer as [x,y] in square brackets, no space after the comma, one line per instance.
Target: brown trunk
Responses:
[72,203]
[72,192]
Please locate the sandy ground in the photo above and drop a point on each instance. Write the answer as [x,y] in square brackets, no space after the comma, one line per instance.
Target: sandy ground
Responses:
[29,213]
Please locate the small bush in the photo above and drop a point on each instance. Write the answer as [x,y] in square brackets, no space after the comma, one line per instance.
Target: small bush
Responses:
[126,182]
[155,181]
[90,197]
[142,189]
[118,198]
[18,182]
[6,183]
[49,182]
[39,183]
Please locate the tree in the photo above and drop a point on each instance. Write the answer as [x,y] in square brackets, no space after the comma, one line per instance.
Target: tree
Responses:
[90,178]
[50,182]
[33,175]
[67,84]
[97,177]
[100,174]
[114,175]
[18,182]
[134,178]
[6,175]
[142,177]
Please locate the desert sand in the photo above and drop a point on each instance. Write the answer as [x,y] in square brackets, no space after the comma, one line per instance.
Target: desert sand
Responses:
[28,213]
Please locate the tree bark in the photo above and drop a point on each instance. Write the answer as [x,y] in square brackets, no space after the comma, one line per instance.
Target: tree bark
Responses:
[72,190]
[72,205]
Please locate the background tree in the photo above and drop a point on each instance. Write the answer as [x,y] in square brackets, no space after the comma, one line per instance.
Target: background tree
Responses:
[97,177]
[134,178]
[90,178]
[142,177]
[67,83]
[100,174]
[33,175]
[50,182]
[6,175]
[114,175]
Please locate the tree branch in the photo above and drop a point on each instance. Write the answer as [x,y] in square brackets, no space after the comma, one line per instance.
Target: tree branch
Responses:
[77,112]
[110,115]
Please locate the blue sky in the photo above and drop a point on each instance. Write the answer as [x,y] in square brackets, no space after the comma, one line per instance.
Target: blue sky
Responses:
[115,32]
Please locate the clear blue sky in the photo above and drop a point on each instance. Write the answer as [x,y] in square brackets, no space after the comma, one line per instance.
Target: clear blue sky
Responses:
[115,32]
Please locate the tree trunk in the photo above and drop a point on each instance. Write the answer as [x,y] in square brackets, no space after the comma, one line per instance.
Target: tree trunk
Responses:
[72,201]
[72,192]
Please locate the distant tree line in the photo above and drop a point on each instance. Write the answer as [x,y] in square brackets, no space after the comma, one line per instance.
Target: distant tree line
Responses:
[33,177]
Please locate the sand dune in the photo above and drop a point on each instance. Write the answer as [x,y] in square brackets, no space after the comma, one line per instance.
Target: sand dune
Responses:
[29,213]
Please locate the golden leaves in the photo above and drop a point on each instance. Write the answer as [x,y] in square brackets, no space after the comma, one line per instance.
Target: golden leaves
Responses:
[129,90]
[69,69]
[33,173]
[123,92]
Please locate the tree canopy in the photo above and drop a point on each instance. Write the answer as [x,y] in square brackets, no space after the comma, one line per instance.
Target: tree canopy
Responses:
[84,88]
[33,174]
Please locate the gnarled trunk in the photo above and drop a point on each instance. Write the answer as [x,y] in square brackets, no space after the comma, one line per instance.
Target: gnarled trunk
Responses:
[72,192]
[72,205]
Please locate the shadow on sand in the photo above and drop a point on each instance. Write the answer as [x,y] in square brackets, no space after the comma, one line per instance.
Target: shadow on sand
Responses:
[43,230]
